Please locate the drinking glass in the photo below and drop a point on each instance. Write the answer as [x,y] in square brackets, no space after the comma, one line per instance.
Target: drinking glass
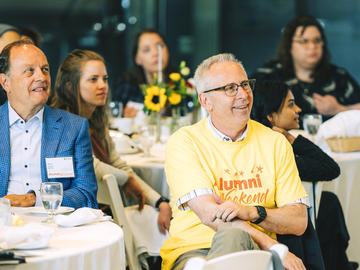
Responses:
[51,194]
[147,137]
[4,211]
[115,110]
[311,123]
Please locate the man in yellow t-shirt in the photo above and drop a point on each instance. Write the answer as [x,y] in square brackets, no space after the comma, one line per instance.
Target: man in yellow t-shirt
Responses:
[233,182]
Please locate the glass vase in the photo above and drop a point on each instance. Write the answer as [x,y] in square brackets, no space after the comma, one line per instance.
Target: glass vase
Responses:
[175,119]
[155,119]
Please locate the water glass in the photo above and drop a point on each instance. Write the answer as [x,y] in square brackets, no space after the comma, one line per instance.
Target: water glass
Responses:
[116,109]
[147,137]
[51,194]
[4,211]
[311,123]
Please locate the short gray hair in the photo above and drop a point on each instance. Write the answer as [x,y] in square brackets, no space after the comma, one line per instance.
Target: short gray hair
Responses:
[203,68]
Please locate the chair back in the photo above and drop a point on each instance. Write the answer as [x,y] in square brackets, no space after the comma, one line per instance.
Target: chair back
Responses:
[109,193]
[249,259]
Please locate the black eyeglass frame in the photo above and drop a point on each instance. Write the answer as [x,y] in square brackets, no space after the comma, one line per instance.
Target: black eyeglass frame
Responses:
[241,84]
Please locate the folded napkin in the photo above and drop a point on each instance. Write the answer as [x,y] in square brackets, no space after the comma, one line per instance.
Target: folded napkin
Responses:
[148,239]
[32,235]
[343,125]
[124,144]
[81,216]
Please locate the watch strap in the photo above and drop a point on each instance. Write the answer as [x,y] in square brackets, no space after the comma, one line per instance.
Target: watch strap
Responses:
[262,214]
[160,200]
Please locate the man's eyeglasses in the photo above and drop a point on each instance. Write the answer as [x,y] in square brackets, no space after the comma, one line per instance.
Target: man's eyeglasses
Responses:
[231,89]
[306,42]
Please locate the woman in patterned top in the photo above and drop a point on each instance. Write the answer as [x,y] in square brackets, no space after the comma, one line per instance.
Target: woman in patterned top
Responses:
[303,63]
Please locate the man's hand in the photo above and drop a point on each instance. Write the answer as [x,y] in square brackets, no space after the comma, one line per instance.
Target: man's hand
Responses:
[327,105]
[164,217]
[130,112]
[132,187]
[24,200]
[291,262]
[228,210]
[288,136]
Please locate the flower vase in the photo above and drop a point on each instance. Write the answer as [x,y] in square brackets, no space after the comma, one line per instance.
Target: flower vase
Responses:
[155,119]
[175,119]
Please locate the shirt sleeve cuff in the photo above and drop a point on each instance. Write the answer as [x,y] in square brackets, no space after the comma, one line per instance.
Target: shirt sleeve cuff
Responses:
[304,200]
[182,202]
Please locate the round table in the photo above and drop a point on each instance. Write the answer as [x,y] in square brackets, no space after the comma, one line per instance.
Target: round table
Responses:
[93,246]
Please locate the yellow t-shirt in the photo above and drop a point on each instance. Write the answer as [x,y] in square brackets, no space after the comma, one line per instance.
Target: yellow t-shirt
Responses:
[259,170]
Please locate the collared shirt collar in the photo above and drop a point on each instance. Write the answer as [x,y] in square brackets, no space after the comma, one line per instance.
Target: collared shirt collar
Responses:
[222,136]
[14,117]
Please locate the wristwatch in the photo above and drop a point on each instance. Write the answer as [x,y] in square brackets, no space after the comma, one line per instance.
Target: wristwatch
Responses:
[262,214]
[160,200]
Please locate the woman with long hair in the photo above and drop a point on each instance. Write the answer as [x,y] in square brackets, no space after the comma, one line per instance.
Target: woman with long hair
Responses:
[145,52]
[303,63]
[81,88]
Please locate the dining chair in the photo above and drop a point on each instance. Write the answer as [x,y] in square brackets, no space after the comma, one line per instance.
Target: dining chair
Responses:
[109,193]
[313,189]
[249,259]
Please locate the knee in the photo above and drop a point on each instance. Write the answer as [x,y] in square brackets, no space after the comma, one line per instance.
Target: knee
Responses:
[233,235]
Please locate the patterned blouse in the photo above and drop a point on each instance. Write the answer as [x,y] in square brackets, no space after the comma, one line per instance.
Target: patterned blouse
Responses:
[338,83]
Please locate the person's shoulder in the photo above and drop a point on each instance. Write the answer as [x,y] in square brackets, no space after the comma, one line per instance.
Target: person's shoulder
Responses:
[263,132]
[192,132]
[271,66]
[52,111]
[340,71]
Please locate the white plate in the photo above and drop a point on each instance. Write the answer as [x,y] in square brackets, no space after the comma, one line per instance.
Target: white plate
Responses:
[41,210]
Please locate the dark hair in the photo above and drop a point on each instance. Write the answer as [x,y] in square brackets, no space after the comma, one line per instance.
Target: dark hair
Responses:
[269,97]
[31,33]
[5,54]
[137,71]
[67,93]
[284,55]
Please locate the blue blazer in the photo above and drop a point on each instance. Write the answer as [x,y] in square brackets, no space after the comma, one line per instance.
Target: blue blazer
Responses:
[63,134]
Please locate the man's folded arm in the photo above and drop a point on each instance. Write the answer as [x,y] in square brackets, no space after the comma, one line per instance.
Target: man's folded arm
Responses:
[205,206]
[289,219]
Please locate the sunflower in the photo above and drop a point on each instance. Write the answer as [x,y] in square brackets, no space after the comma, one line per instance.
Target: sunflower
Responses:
[155,98]
[174,98]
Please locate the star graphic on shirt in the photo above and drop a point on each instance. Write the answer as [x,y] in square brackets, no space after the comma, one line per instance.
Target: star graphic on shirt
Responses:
[259,169]
[236,174]
[227,171]
[241,173]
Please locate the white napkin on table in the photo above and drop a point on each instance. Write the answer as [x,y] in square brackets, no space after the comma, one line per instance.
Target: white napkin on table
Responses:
[343,125]
[32,235]
[144,225]
[81,216]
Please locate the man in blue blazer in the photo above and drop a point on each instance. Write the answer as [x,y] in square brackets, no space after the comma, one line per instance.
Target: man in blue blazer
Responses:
[39,143]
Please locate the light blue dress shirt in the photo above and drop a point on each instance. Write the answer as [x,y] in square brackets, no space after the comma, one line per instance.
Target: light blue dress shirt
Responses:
[25,148]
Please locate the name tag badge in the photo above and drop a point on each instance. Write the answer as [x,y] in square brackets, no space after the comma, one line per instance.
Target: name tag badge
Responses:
[60,167]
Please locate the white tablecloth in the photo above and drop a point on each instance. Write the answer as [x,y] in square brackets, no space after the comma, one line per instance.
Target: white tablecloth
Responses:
[94,246]
[347,188]
[151,169]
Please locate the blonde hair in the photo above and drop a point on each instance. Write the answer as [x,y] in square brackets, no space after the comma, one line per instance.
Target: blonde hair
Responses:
[203,68]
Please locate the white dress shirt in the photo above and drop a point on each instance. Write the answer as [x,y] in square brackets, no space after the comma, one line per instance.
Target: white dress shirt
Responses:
[25,149]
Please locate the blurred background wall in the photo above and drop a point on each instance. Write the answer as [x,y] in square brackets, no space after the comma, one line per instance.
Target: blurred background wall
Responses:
[194,29]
